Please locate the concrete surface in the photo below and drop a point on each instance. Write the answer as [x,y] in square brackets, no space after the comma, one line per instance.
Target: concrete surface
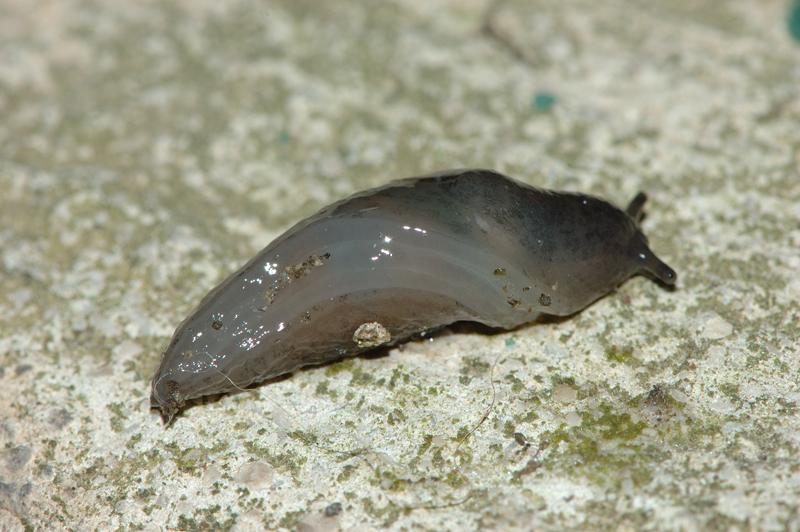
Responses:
[148,148]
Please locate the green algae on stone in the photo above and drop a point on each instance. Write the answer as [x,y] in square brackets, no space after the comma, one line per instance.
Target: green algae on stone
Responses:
[207,519]
[427,441]
[346,472]
[192,460]
[323,388]
[303,437]
[619,354]
[604,448]
[473,366]
[339,367]
[617,425]
[517,385]
[396,416]
[118,416]
[387,514]
[287,461]
[360,377]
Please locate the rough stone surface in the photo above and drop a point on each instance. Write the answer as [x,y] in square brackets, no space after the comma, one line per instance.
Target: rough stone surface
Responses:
[148,148]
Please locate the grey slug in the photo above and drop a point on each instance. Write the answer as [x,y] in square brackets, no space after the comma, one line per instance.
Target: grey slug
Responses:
[388,263]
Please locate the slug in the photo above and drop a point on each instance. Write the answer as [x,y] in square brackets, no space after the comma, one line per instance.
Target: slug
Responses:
[383,265]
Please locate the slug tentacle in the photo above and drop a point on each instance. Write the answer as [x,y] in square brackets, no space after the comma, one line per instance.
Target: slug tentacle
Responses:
[387,264]
[636,207]
[657,269]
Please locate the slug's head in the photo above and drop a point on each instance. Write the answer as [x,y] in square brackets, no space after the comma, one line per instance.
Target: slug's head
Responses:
[173,381]
[203,352]
[647,262]
[165,397]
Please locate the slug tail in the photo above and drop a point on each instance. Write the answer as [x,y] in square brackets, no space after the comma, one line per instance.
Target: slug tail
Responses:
[636,207]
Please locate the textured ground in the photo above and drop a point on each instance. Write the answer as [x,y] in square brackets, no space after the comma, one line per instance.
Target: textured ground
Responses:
[148,148]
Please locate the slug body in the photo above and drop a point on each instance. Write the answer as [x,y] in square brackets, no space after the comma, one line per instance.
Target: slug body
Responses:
[395,261]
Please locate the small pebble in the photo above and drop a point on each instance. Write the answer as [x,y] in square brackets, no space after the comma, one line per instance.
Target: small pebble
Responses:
[573,419]
[564,393]
[333,509]
[254,475]
[716,327]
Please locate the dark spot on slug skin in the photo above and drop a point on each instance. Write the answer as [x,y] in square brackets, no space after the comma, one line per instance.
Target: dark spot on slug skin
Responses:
[412,256]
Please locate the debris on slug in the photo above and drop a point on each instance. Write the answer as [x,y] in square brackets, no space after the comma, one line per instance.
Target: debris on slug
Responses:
[269,295]
[371,334]
[293,273]
[301,270]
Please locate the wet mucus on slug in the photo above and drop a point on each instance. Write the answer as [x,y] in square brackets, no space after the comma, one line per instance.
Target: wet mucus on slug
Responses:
[391,262]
